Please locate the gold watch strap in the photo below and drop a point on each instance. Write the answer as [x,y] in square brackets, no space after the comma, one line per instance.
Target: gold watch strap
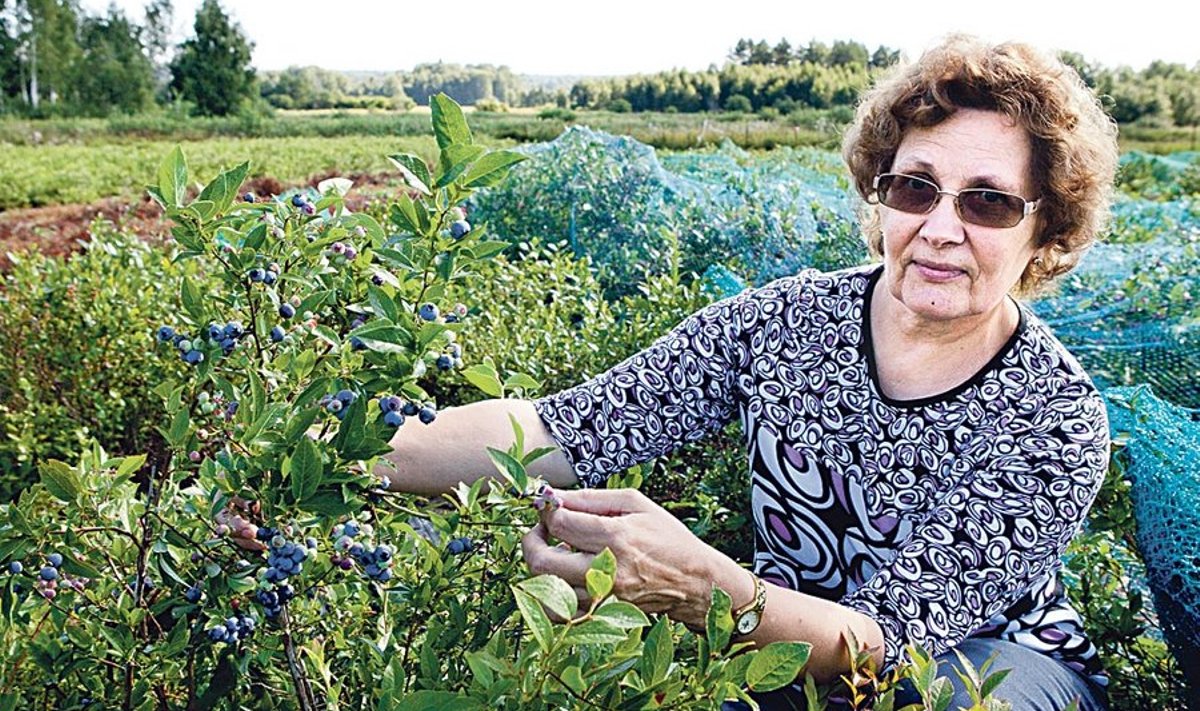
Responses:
[758,604]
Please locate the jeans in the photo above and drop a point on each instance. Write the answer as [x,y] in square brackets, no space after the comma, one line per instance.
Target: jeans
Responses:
[1037,682]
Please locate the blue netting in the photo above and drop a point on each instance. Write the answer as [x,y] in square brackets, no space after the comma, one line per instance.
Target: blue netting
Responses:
[1161,444]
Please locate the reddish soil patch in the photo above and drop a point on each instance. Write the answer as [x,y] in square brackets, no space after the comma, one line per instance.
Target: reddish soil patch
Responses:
[60,230]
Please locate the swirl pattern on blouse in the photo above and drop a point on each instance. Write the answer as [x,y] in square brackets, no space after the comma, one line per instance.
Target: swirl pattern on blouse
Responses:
[940,518]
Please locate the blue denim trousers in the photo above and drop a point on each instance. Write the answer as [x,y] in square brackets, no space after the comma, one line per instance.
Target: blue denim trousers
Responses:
[1037,682]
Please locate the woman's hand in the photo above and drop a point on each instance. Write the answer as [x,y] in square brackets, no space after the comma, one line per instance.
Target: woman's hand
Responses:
[662,567]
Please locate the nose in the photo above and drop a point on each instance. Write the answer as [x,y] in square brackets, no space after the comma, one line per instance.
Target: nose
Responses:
[942,225]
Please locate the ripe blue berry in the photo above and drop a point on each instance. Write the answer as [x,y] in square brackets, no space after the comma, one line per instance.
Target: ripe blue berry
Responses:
[15,567]
[445,362]
[55,559]
[427,414]
[393,419]
[298,200]
[346,396]
[214,332]
[410,409]
[428,312]
[165,333]
[459,229]
[270,277]
[458,546]
[357,344]
[287,310]
[48,573]
[257,274]
[377,280]
[233,329]
[350,529]
[278,334]
[248,197]
[192,594]
[334,406]
[194,357]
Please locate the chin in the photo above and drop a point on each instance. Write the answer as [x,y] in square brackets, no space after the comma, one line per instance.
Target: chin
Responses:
[940,302]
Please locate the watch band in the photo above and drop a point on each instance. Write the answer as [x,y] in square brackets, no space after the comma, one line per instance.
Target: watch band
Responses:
[746,619]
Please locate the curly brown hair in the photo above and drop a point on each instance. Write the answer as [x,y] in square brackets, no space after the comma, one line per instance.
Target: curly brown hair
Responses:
[1074,141]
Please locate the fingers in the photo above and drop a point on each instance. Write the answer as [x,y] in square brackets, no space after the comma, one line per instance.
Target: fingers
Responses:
[545,559]
[605,502]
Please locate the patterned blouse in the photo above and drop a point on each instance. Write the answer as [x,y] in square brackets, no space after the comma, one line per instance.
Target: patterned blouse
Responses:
[939,518]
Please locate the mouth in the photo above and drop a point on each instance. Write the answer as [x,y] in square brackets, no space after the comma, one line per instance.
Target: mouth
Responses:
[938,271]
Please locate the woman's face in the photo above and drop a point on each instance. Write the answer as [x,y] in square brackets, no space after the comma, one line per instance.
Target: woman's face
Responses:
[936,265]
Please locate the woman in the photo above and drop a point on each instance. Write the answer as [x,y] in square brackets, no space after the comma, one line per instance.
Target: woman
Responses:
[922,447]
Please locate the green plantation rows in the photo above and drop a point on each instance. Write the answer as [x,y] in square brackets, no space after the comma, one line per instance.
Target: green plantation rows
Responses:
[35,175]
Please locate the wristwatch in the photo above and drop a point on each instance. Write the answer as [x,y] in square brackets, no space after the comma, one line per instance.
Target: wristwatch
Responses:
[746,619]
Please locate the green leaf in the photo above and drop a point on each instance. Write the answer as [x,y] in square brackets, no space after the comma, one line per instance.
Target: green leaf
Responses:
[535,618]
[621,614]
[60,480]
[224,188]
[179,428]
[328,503]
[449,124]
[990,683]
[491,169]
[455,160]
[382,303]
[383,337]
[483,250]
[191,299]
[599,584]
[521,380]
[512,470]
[777,665]
[605,562]
[485,378]
[176,641]
[414,171]
[306,469]
[128,465]
[553,592]
[595,631]
[942,693]
[404,214]
[657,652]
[173,177]
[256,236]
[719,621]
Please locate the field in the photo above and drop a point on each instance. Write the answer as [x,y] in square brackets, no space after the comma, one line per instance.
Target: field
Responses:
[129,452]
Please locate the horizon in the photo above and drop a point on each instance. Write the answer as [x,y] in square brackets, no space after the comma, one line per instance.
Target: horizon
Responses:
[536,38]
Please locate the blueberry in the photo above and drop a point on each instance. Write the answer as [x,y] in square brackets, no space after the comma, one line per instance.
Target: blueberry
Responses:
[194,357]
[351,253]
[214,332]
[388,403]
[445,362]
[217,634]
[428,312]
[357,344]
[278,334]
[192,594]
[451,318]
[459,229]
[298,200]
[287,310]
[233,329]
[410,409]
[55,559]
[270,277]
[458,546]
[334,406]
[257,274]
[376,279]
[346,396]
[48,573]
[311,543]
[15,567]
[351,529]
[248,197]
[393,419]
[165,333]
[384,576]
[427,414]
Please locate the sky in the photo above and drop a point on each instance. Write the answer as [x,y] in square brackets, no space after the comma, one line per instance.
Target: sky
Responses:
[544,37]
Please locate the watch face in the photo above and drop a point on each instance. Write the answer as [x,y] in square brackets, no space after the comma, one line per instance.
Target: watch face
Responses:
[747,622]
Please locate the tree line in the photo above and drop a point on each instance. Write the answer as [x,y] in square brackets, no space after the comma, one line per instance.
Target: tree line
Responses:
[55,59]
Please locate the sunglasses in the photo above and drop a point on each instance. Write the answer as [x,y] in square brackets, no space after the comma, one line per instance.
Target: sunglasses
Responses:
[979,206]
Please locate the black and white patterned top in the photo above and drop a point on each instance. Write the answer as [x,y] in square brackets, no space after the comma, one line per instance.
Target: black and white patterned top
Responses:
[939,518]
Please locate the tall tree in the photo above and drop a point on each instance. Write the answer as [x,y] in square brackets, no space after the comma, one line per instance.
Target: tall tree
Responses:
[46,35]
[156,37]
[114,72]
[212,69]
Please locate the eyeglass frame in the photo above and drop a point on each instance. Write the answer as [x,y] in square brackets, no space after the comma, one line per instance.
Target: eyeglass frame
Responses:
[1028,206]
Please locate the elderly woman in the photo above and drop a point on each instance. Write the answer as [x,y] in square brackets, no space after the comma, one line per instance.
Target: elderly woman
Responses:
[922,447]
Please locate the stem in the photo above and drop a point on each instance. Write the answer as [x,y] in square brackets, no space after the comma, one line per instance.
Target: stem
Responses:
[299,680]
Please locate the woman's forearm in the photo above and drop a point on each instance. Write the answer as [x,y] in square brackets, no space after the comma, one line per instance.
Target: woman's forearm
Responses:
[432,459]
[792,616]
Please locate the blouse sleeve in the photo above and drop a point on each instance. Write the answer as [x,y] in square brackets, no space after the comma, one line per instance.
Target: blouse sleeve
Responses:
[1029,483]
[677,390]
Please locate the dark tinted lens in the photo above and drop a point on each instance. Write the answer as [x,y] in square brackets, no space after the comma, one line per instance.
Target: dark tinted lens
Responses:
[907,193]
[991,208]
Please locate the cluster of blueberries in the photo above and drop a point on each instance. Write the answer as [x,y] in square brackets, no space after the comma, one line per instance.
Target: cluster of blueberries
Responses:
[300,200]
[451,359]
[394,410]
[274,600]
[376,562]
[337,404]
[227,336]
[267,276]
[341,250]
[235,629]
[285,558]
[460,545]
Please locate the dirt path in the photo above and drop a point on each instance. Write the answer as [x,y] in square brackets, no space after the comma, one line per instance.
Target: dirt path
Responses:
[59,230]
